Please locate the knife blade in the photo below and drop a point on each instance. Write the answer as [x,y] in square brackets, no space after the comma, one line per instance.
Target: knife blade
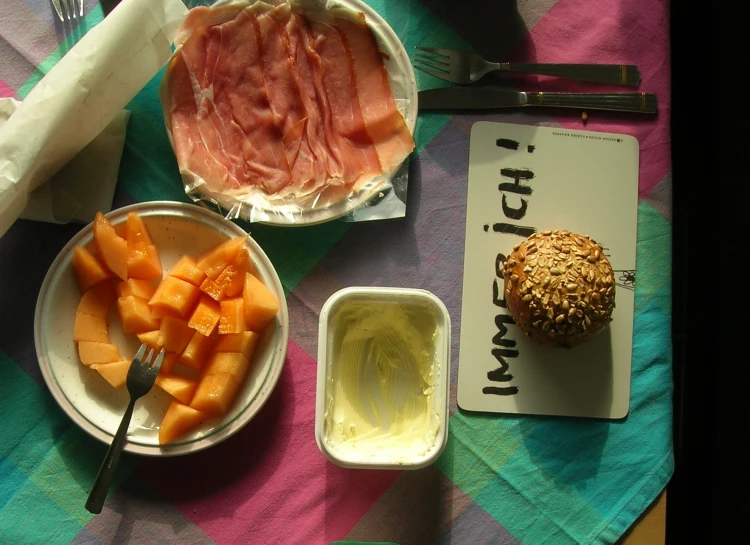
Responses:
[486,98]
[469,98]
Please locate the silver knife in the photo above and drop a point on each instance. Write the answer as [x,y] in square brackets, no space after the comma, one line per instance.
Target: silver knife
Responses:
[490,98]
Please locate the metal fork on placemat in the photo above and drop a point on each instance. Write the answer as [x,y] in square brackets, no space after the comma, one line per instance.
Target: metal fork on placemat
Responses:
[464,67]
[141,378]
[68,9]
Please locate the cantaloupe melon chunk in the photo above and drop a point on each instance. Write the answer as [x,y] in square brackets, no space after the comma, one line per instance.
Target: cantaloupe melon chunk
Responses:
[197,350]
[243,343]
[181,388]
[178,420]
[87,269]
[150,338]
[136,231]
[232,318]
[136,287]
[174,334]
[228,363]
[112,248]
[115,373]
[215,394]
[217,258]
[175,295]
[213,289]
[206,316]
[168,363]
[159,313]
[135,315]
[187,269]
[241,265]
[88,327]
[97,300]
[96,352]
[261,304]
[143,261]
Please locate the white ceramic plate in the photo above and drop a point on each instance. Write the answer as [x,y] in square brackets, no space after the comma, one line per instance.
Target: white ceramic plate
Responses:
[177,229]
[404,89]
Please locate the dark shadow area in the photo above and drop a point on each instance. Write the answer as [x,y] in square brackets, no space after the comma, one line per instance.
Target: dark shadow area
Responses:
[707,499]
[494,29]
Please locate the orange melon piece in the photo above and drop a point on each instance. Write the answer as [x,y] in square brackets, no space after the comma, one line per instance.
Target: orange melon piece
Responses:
[150,338]
[261,304]
[88,327]
[228,363]
[112,248]
[136,287]
[96,352]
[136,231]
[175,296]
[87,269]
[232,319]
[213,289]
[217,258]
[187,269]
[97,300]
[135,315]
[116,373]
[181,388]
[197,350]
[215,394]
[206,316]
[242,265]
[242,343]
[143,261]
[167,364]
[174,334]
[159,313]
[178,420]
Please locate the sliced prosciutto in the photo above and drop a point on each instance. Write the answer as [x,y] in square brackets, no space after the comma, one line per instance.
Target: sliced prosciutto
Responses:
[341,91]
[384,123]
[271,100]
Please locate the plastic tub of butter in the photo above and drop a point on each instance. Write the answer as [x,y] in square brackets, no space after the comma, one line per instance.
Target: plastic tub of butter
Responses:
[383,378]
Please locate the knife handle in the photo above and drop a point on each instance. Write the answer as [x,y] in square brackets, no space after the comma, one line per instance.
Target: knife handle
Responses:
[615,74]
[618,102]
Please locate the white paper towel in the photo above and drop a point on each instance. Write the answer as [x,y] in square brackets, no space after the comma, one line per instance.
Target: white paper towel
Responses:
[81,95]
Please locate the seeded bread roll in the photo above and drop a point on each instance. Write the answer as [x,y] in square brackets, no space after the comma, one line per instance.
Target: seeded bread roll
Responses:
[559,287]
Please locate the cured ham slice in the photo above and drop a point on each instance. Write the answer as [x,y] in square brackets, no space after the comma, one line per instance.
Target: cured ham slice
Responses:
[341,90]
[331,150]
[384,123]
[269,100]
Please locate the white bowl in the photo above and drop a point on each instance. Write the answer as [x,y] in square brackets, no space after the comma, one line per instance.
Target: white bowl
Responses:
[403,84]
[177,229]
[383,378]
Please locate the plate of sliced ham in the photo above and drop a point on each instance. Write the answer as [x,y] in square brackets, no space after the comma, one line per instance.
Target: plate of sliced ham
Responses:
[288,113]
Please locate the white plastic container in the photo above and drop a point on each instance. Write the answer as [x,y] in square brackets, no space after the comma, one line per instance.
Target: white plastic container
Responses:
[383,378]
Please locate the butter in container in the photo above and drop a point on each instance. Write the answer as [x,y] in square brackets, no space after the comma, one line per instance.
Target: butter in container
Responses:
[383,378]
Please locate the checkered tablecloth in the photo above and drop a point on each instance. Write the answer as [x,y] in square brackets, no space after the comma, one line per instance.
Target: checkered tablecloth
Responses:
[500,479]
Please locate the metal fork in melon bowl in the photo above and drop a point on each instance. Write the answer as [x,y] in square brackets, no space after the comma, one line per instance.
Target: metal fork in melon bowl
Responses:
[141,377]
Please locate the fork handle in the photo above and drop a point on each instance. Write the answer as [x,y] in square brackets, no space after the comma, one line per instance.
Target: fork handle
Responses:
[615,74]
[619,102]
[106,472]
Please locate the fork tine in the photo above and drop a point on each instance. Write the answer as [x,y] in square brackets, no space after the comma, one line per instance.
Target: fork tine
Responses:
[147,362]
[439,75]
[80,8]
[157,362]
[443,52]
[139,355]
[432,63]
[58,9]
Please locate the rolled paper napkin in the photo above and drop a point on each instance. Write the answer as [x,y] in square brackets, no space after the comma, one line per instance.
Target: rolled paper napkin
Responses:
[67,197]
[81,95]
